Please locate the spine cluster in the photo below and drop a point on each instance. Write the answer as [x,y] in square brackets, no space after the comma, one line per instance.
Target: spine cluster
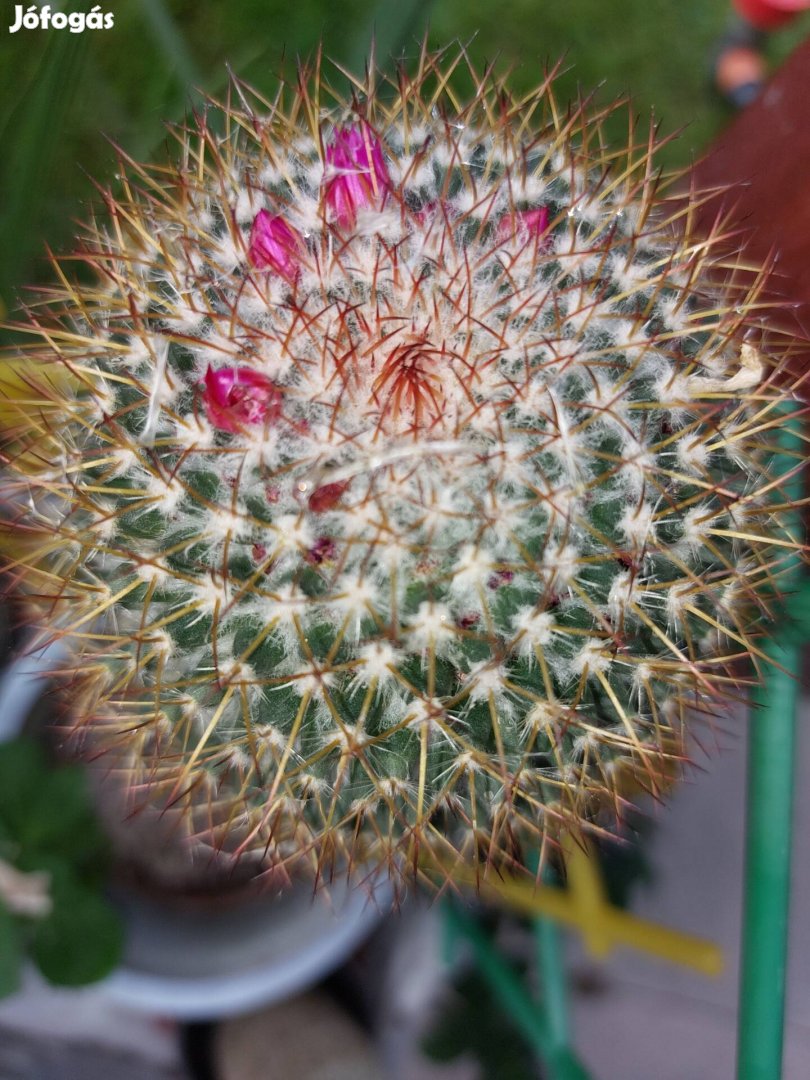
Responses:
[401,484]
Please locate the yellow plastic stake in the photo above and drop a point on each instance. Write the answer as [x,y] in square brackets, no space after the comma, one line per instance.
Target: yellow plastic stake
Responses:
[584,906]
[588,893]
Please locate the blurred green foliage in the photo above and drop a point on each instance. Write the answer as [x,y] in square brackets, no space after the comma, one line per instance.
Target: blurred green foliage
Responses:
[59,92]
[47,825]
[473,1025]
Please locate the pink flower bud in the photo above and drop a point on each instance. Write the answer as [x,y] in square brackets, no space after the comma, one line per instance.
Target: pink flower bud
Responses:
[323,551]
[356,174]
[327,496]
[530,224]
[236,398]
[275,245]
[500,577]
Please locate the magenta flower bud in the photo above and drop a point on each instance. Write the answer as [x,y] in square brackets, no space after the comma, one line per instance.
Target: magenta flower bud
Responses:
[236,398]
[275,245]
[529,223]
[356,173]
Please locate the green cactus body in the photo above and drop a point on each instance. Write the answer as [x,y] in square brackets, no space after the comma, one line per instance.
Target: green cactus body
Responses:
[410,486]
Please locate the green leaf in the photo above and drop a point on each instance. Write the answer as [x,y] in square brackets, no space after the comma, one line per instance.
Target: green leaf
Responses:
[45,808]
[82,940]
[22,767]
[172,44]
[11,952]
[61,817]
[392,28]
[473,1024]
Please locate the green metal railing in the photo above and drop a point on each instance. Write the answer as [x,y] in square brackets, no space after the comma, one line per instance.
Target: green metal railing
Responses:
[771,756]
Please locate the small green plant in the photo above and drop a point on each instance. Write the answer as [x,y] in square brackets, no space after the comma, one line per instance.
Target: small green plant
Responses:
[52,873]
[403,483]
[473,1024]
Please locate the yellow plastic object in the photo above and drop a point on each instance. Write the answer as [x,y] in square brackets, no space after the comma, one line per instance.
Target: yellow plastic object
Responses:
[585,906]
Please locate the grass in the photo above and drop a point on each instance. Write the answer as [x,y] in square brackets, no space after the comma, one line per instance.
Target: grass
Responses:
[61,92]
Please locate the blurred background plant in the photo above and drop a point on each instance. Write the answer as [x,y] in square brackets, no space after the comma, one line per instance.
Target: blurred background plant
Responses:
[59,91]
[53,870]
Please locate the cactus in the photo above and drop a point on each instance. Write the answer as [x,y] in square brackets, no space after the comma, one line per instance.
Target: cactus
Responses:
[399,485]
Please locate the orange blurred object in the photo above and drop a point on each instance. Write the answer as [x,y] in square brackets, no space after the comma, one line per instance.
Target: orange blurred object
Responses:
[739,66]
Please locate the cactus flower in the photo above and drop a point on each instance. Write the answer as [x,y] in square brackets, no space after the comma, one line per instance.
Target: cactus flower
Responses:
[239,397]
[356,174]
[529,223]
[275,245]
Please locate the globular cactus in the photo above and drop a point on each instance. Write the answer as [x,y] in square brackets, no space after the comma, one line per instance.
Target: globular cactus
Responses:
[401,482]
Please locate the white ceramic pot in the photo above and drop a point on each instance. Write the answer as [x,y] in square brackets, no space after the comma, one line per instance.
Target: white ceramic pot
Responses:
[195,965]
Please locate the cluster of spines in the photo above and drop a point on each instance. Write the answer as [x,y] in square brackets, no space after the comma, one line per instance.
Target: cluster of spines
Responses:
[408,485]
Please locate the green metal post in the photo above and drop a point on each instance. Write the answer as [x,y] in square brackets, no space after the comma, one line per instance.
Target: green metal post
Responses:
[550,961]
[505,984]
[546,1034]
[551,973]
[771,749]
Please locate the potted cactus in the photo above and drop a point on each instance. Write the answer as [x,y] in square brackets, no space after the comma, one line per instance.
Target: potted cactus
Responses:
[399,487]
